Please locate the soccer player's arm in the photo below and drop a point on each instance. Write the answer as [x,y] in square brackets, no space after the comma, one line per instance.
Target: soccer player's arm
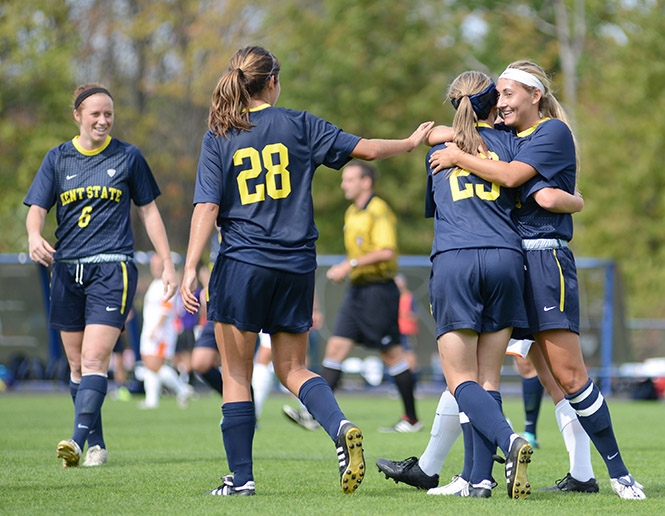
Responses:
[201,227]
[154,226]
[39,249]
[440,134]
[509,174]
[559,201]
[372,149]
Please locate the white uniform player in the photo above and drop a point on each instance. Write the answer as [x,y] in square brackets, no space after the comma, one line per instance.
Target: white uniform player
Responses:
[158,340]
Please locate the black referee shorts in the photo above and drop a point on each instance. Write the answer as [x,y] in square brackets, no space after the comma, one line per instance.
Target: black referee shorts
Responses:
[369,315]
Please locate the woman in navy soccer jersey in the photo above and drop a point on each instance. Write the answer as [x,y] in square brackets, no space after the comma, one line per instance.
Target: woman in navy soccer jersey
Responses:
[548,158]
[254,177]
[92,179]
[477,276]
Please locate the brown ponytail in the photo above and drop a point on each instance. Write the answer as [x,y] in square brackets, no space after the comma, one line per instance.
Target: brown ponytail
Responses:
[246,76]
[461,89]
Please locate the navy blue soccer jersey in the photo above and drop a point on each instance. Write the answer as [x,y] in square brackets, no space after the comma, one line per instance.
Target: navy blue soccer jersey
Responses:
[550,149]
[92,192]
[468,211]
[261,179]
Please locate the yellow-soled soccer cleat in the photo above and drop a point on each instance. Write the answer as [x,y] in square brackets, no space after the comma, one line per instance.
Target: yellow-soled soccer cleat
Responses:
[517,461]
[349,445]
[70,453]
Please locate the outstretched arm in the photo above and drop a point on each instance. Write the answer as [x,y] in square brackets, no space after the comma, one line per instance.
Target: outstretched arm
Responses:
[509,174]
[440,134]
[372,149]
[203,222]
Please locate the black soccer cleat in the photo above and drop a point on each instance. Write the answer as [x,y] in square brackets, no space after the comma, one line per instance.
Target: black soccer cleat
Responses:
[229,489]
[349,445]
[481,490]
[571,484]
[407,471]
[519,457]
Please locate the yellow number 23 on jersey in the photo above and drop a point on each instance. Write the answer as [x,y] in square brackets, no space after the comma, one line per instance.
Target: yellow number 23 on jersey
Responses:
[259,161]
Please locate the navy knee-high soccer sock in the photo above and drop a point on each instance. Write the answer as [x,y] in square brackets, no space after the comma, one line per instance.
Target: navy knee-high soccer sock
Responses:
[213,377]
[483,449]
[484,413]
[88,405]
[73,389]
[319,400]
[96,435]
[331,372]
[467,435]
[594,416]
[532,395]
[403,378]
[238,424]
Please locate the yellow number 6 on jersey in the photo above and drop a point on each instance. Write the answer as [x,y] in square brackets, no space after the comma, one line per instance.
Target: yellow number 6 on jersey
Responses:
[84,219]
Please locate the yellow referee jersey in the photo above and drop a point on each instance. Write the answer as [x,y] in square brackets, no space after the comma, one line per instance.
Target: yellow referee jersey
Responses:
[368,229]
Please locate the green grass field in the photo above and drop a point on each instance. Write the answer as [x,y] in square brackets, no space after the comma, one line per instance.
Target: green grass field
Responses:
[160,462]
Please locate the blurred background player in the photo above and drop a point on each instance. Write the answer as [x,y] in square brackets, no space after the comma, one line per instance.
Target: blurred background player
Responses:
[205,355]
[300,415]
[532,392]
[408,324]
[186,326]
[117,366]
[158,340]
[370,309]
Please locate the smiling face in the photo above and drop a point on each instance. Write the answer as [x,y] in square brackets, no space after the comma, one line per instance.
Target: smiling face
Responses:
[518,105]
[95,119]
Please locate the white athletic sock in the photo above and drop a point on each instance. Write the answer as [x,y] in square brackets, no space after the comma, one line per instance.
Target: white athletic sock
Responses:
[152,385]
[170,378]
[445,431]
[262,382]
[576,440]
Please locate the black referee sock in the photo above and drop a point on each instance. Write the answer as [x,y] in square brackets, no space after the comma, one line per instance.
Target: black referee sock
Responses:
[332,376]
[405,386]
[213,378]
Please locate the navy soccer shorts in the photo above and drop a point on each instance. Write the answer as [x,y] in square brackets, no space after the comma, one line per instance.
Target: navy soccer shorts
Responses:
[478,289]
[551,291]
[207,337]
[369,315]
[94,293]
[255,298]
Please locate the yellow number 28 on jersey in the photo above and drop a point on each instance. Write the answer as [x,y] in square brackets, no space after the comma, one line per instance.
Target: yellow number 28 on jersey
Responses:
[259,161]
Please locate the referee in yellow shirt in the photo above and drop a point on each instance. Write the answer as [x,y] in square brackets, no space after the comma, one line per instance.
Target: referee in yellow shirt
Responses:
[369,312]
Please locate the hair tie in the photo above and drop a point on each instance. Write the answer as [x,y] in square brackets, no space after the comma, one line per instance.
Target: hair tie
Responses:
[87,93]
[240,72]
[482,103]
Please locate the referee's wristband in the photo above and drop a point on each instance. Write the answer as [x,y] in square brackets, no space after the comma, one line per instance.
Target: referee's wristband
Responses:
[353,263]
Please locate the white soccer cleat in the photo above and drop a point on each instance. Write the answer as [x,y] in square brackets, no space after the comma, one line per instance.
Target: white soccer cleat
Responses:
[95,456]
[300,417]
[627,488]
[403,426]
[454,488]
[184,397]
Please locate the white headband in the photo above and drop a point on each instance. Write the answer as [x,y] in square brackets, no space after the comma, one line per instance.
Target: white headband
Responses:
[525,78]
